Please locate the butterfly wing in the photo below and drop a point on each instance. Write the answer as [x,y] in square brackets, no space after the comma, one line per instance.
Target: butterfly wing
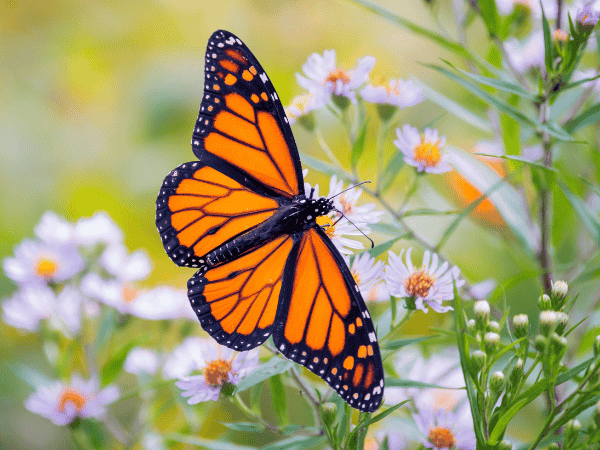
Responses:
[324,325]
[198,209]
[236,302]
[241,120]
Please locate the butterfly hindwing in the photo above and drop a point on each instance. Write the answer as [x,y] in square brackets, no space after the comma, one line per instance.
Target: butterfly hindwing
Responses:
[198,209]
[241,120]
[324,325]
[236,302]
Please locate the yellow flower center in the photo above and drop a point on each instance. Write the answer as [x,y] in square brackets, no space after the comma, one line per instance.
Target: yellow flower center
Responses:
[217,372]
[46,267]
[428,153]
[70,395]
[418,284]
[129,294]
[326,223]
[338,74]
[442,437]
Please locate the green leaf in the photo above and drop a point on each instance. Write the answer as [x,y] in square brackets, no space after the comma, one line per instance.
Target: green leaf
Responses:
[250,427]
[395,345]
[390,172]
[454,108]
[384,247]
[503,195]
[279,400]
[95,433]
[577,409]
[489,14]
[320,166]
[574,371]
[428,212]
[521,118]
[522,159]
[395,382]
[205,443]
[107,327]
[291,429]
[359,145]
[548,44]
[29,375]
[116,360]
[386,228]
[295,442]
[383,415]
[588,219]
[273,367]
[590,116]
[578,83]
[517,404]
[511,130]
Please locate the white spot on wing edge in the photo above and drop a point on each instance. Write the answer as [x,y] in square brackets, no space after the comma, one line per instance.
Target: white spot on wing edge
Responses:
[263,77]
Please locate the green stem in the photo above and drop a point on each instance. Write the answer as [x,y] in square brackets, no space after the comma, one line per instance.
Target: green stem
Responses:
[237,400]
[396,327]
[383,132]
[410,193]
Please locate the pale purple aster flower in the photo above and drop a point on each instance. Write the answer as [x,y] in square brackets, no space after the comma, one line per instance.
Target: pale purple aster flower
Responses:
[367,272]
[62,404]
[442,431]
[528,54]
[54,229]
[428,286]
[347,203]
[302,105]
[40,262]
[220,366]
[127,267]
[98,229]
[185,358]
[425,152]
[398,92]
[587,17]
[323,77]
[141,361]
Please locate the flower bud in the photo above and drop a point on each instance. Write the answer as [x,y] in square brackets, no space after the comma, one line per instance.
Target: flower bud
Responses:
[559,289]
[558,344]
[471,326]
[521,325]
[548,320]
[482,313]
[540,343]
[505,445]
[490,342]
[494,326]
[517,373]
[597,345]
[478,358]
[497,382]
[586,19]
[560,35]
[328,410]
[561,322]
[544,302]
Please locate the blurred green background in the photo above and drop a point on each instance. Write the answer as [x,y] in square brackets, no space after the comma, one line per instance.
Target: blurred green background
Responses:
[97,104]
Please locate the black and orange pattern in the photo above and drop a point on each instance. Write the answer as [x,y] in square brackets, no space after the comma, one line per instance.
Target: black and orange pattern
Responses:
[241,217]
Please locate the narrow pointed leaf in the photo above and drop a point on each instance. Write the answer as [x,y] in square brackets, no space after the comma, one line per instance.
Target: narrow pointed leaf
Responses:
[548,44]
[489,14]
[395,382]
[384,414]
[359,145]
[395,345]
[279,400]
[384,247]
[588,117]
[520,159]
[274,366]
[205,443]
[588,219]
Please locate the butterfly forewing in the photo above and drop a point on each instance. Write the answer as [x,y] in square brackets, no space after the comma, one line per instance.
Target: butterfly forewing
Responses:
[198,209]
[324,324]
[241,120]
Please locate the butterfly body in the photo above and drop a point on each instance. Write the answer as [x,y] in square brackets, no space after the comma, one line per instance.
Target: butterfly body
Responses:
[241,217]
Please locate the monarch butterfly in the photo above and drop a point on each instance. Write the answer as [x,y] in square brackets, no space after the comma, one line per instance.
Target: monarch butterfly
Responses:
[240,215]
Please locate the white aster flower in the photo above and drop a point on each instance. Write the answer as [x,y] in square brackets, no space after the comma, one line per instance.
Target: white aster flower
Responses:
[118,263]
[185,358]
[54,229]
[425,152]
[367,272]
[219,366]
[324,77]
[162,302]
[528,54]
[442,431]
[347,203]
[40,262]
[428,286]
[62,404]
[141,361]
[302,105]
[98,229]
[398,92]
[336,228]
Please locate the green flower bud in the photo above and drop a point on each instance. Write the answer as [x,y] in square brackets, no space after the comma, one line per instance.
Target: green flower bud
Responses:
[505,445]
[548,320]
[517,373]
[478,357]
[559,289]
[521,325]
[597,345]
[482,314]
[558,344]
[386,111]
[553,446]
[561,322]
[227,389]
[540,343]
[471,326]
[490,342]
[497,382]
[544,302]
[494,326]
[328,411]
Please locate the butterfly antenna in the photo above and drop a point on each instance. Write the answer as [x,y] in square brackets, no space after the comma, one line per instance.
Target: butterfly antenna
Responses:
[343,216]
[347,189]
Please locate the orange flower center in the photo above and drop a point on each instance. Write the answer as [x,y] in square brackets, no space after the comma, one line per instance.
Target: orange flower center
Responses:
[418,284]
[129,294]
[46,267]
[442,437]
[70,395]
[326,223]
[428,154]
[216,372]
[338,74]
